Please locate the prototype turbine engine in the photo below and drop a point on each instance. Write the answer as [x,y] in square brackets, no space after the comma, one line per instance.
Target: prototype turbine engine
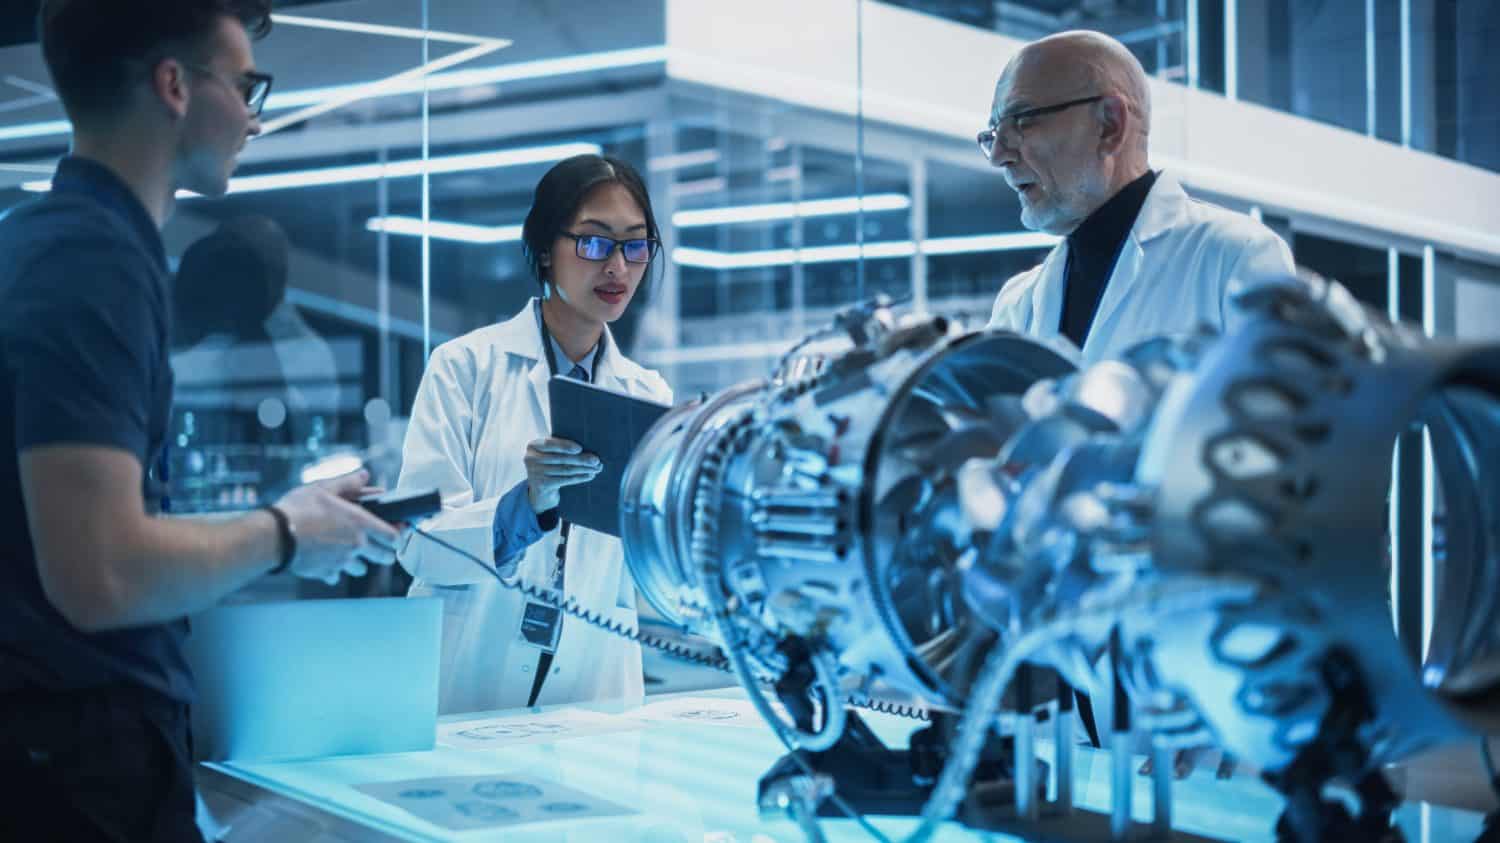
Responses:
[1194,534]
[792,519]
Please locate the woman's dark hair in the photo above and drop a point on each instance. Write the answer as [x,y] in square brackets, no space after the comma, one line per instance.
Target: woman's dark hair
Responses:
[563,189]
[92,46]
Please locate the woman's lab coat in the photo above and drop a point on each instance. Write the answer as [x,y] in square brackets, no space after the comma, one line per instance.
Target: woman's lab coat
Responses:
[1172,275]
[482,398]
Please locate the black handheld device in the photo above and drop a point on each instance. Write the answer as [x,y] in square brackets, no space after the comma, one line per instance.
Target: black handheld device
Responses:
[609,425]
[396,507]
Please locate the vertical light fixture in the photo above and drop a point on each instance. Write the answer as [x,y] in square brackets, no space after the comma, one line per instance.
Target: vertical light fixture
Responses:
[1231,49]
[1406,70]
[1429,470]
[426,184]
[1370,115]
[1393,310]
[1191,24]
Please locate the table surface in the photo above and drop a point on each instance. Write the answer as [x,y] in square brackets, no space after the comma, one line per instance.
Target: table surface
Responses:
[691,780]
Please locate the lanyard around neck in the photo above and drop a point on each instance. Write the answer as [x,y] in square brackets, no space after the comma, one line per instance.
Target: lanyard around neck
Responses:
[551,355]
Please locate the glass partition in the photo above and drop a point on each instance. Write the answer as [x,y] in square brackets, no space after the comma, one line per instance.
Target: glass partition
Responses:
[379,214]
[296,341]
[290,323]
[754,195]
[297,337]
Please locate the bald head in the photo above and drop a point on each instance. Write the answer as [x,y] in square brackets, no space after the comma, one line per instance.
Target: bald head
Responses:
[1078,157]
[1090,61]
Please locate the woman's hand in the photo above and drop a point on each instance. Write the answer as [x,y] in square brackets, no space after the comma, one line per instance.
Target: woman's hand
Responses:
[552,464]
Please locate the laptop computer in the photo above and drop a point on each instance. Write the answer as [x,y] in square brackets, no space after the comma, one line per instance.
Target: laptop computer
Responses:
[315,678]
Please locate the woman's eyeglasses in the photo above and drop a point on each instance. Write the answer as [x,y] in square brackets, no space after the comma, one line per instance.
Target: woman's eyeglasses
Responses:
[592,247]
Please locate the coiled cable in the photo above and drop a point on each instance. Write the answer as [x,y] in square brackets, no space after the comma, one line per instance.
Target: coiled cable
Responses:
[570,606]
[677,651]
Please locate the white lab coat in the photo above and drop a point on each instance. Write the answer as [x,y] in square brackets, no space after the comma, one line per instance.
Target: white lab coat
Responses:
[1171,277]
[482,398]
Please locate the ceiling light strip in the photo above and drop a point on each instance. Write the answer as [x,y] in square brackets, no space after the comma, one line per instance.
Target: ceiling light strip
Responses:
[378,88]
[438,230]
[682,160]
[391,170]
[513,72]
[790,210]
[709,259]
[413,33]
[412,167]
[35,130]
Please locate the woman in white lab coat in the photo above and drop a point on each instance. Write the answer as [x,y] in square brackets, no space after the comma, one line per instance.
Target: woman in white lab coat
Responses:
[480,433]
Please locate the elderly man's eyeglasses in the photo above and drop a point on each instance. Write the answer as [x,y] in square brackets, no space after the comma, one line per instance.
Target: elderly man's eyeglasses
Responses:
[1021,119]
[253,87]
[592,247]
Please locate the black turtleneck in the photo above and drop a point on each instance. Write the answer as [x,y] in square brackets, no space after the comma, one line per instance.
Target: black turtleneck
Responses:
[1093,248]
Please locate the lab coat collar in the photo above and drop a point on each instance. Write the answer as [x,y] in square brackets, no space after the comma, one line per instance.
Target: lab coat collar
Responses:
[1164,209]
[520,337]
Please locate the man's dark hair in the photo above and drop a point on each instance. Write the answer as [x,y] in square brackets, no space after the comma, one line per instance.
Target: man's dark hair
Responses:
[563,189]
[96,50]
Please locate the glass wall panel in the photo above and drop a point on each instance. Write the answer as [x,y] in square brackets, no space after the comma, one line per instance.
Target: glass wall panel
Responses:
[745,268]
[1361,269]
[1419,73]
[1455,75]
[295,343]
[1305,58]
[293,330]
[973,208]
[1155,30]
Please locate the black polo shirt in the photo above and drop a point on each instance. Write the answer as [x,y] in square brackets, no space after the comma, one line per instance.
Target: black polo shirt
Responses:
[83,360]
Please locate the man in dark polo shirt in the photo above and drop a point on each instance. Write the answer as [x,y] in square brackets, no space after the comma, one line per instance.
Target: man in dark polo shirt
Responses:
[94,582]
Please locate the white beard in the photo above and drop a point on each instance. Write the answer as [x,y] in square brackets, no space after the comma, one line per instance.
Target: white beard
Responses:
[1064,210]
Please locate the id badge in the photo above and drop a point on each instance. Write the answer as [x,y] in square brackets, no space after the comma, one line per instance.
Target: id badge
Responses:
[541,626]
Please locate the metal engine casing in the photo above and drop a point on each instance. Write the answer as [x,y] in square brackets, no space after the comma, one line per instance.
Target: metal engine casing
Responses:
[799,494]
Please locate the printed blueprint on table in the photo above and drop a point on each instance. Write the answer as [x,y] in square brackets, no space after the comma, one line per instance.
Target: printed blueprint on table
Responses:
[703,711]
[466,803]
[531,727]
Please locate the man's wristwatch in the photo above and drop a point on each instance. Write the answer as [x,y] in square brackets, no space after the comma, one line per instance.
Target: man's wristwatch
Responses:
[285,538]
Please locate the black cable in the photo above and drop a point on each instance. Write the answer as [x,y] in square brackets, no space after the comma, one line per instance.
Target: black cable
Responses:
[1491,831]
[1489,765]
[910,712]
[678,651]
[570,606]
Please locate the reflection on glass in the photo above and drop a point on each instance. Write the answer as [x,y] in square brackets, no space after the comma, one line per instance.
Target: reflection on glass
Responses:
[258,392]
[1155,30]
[1306,58]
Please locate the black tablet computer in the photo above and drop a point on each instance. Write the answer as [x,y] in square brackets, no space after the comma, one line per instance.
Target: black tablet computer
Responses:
[609,425]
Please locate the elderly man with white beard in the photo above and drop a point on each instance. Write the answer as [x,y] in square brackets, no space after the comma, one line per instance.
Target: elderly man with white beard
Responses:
[1069,130]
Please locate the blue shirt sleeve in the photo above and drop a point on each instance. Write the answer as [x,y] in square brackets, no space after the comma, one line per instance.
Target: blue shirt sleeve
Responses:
[517,527]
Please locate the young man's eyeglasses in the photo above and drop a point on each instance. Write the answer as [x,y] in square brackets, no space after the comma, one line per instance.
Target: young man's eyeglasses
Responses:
[592,247]
[253,87]
[1019,120]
